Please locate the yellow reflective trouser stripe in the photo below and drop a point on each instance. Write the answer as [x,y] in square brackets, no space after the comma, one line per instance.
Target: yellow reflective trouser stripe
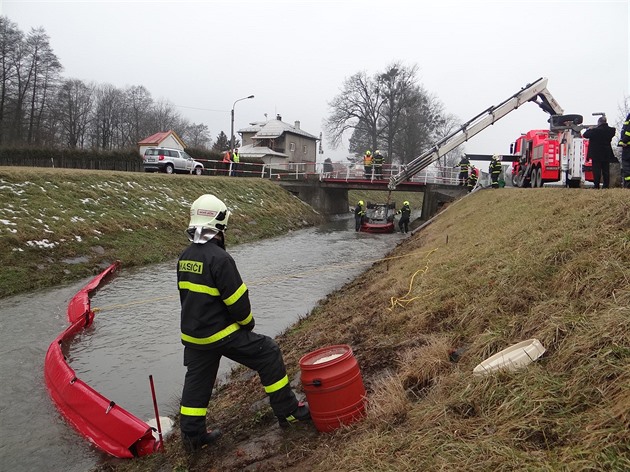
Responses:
[231,300]
[198,288]
[626,178]
[214,338]
[188,411]
[246,320]
[278,385]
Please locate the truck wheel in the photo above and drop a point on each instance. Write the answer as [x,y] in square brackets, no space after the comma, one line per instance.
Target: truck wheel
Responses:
[168,168]
[198,171]
[539,182]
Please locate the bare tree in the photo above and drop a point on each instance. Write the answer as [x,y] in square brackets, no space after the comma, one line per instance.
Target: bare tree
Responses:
[357,107]
[135,126]
[45,69]
[74,111]
[108,114]
[389,111]
[10,39]
[197,136]
[398,87]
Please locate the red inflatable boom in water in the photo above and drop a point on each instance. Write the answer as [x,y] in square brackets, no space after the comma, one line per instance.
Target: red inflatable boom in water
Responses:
[107,425]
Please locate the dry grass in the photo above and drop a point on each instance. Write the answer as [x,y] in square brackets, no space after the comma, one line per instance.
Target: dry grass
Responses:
[496,268]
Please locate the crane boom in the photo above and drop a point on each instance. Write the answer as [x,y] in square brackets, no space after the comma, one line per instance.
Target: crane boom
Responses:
[535,92]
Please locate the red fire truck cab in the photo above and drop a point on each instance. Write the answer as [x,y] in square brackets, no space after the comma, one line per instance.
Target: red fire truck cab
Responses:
[539,159]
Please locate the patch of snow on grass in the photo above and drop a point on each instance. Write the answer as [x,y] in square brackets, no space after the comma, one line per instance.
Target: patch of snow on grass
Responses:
[42,244]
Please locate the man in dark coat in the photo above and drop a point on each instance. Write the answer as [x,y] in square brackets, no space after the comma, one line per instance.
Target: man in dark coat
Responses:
[600,151]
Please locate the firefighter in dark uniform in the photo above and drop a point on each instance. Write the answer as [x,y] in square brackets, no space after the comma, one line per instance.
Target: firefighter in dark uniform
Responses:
[495,170]
[472,178]
[405,214]
[377,162]
[216,321]
[463,165]
[359,215]
[624,143]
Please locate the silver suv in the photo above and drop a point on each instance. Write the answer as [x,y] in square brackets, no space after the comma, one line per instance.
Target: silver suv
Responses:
[171,161]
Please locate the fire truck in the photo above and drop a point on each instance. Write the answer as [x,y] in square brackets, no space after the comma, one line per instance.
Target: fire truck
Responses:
[555,155]
[568,152]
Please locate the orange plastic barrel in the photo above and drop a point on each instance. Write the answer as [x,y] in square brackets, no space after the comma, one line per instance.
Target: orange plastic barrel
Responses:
[333,385]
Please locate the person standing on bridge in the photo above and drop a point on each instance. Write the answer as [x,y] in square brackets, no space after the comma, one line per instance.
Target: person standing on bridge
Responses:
[367,164]
[624,143]
[600,151]
[236,158]
[464,165]
[359,215]
[495,170]
[405,215]
[378,165]
[227,161]
[217,321]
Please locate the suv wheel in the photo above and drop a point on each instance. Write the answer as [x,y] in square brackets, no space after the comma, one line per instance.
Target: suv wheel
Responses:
[198,171]
[168,168]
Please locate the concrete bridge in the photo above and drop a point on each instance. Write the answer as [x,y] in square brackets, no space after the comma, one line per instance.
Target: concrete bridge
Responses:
[330,195]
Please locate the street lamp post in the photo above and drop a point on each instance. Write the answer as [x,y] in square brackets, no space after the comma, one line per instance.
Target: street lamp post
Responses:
[232,122]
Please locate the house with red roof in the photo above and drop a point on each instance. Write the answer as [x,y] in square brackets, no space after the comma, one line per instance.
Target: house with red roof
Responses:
[167,139]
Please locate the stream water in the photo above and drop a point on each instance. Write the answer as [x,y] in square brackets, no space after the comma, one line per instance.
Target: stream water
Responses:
[136,333]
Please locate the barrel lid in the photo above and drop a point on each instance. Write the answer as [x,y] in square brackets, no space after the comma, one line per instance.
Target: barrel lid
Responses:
[326,355]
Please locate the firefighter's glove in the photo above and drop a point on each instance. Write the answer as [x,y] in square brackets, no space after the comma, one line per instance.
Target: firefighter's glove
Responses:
[249,326]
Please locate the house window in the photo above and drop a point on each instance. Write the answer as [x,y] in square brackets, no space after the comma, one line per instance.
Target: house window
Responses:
[292,147]
[304,149]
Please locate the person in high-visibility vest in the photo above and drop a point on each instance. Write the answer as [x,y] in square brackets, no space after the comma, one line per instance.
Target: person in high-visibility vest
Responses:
[216,321]
[494,170]
[377,161]
[236,158]
[359,215]
[405,214]
[624,143]
[367,164]
[463,165]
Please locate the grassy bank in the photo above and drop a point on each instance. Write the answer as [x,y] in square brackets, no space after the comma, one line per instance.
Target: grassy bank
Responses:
[495,268]
[59,225]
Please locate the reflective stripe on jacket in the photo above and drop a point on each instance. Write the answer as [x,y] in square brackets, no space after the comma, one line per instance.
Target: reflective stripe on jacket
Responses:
[625,132]
[215,301]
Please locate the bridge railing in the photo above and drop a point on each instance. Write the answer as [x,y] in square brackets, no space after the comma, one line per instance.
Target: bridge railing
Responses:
[321,171]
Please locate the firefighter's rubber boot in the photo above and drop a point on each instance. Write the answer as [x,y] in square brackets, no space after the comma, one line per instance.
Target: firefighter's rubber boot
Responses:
[301,413]
[195,443]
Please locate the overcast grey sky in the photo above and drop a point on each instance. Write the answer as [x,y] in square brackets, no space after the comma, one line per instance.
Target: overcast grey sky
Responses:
[294,55]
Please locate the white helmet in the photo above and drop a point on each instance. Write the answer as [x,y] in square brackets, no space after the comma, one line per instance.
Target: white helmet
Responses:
[209,212]
[497,157]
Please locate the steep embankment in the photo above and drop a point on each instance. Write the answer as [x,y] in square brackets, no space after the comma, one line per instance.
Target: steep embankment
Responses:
[58,225]
[496,268]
